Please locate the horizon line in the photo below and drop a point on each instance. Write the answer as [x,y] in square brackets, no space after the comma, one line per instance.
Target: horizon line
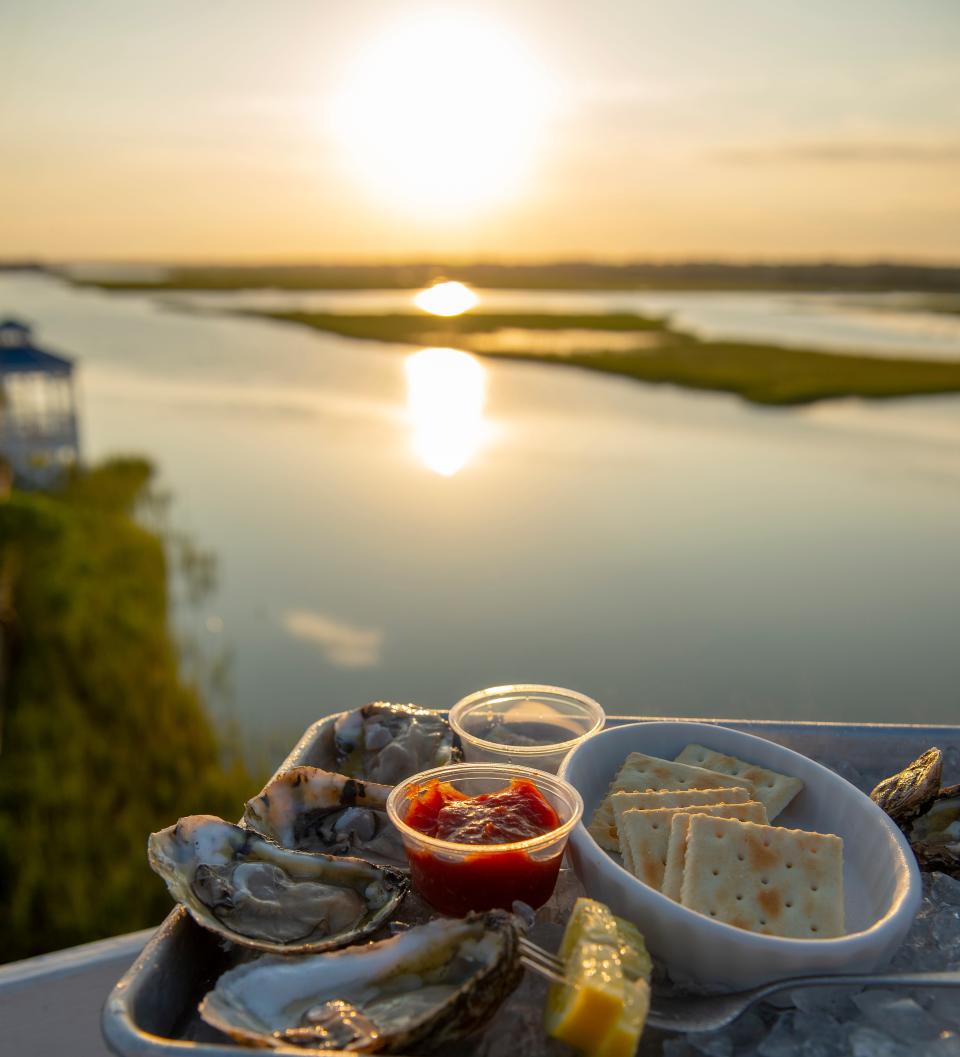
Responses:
[691,261]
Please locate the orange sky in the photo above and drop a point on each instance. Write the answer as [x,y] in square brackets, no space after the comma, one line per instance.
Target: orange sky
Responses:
[616,129]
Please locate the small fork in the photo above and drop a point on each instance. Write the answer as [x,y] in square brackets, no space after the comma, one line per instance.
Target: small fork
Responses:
[542,962]
[697,1013]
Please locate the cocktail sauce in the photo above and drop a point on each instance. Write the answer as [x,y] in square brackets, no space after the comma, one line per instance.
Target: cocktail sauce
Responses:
[457,883]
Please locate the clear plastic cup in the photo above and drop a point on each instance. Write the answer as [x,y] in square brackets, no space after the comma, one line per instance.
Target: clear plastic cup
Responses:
[457,878]
[524,723]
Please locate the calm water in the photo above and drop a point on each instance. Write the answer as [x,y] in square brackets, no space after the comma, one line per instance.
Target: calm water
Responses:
[877,324]
[665,552]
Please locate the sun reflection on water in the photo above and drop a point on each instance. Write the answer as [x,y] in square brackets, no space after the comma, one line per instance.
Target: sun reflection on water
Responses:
[446,393]
[446,299]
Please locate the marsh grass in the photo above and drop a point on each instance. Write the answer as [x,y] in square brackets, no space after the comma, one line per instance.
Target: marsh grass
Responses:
[759,373]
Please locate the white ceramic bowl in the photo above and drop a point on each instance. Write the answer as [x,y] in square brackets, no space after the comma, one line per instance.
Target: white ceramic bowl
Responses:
[881,881]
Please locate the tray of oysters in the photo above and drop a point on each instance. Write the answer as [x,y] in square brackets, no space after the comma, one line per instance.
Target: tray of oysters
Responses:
[308,899]
[285,917]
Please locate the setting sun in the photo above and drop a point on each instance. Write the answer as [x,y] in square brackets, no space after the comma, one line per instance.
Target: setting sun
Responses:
[442,114]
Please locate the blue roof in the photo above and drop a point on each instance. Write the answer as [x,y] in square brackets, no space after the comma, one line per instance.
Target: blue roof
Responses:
[18,354]
[27,359]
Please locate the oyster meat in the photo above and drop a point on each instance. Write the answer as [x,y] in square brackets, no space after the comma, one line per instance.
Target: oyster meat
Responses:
[318,811]
[387,743]
[928,815]
[240,885]
[428,986]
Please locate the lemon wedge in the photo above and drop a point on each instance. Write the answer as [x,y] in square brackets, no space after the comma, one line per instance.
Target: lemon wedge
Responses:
[602,1007]
[589,920]
[633,951]
[621,1040]
[584,1010]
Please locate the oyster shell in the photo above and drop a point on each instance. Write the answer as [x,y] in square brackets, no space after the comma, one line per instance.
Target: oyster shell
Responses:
[387,743]
[254,893]
[905,795]
[935,835]
[318,811]
[928,815]
[425,987]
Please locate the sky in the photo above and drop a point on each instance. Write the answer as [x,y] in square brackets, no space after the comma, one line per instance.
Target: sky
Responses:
[507,129]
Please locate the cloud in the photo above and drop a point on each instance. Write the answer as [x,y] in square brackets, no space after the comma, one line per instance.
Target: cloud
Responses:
[342,644]
[844,153]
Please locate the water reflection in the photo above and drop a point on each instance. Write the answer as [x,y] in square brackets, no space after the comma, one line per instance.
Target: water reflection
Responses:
[446,393]
[446,299]
[342,644]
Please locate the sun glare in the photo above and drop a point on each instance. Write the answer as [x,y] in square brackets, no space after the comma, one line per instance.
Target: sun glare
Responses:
[446,299]
[446,394]
[442,114]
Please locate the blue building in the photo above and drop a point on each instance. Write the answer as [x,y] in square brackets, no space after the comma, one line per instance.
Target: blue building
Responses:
[38,418]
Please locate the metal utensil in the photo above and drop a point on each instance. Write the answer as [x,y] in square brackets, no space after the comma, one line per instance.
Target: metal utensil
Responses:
[542,962]
[697,1013]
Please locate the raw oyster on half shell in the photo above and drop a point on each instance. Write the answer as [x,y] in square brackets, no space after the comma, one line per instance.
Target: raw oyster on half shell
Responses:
[318,811]
[428,986]
[386,743]
[242,886]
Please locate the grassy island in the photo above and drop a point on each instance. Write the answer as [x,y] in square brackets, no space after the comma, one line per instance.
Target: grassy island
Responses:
[760,373]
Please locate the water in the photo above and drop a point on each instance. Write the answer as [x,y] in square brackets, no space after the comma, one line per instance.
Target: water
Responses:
[875,324]
[665,552]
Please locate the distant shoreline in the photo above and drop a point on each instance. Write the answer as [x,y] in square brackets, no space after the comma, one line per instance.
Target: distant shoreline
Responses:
[762,373]
[878,277]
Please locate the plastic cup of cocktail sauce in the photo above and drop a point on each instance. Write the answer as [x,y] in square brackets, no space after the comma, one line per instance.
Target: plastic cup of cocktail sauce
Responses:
[457,878]
[524,723]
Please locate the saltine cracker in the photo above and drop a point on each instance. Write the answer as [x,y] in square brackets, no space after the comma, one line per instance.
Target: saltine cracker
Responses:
[776,881]
[682,798]
[644,835]
[773,789]
[641,773]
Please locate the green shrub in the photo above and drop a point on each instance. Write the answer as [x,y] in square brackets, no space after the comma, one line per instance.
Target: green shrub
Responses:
[102,741]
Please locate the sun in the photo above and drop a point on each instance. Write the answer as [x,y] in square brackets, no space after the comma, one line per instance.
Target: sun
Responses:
[442,115]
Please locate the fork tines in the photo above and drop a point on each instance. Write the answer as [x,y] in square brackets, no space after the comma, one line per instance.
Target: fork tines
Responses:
[542,962]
